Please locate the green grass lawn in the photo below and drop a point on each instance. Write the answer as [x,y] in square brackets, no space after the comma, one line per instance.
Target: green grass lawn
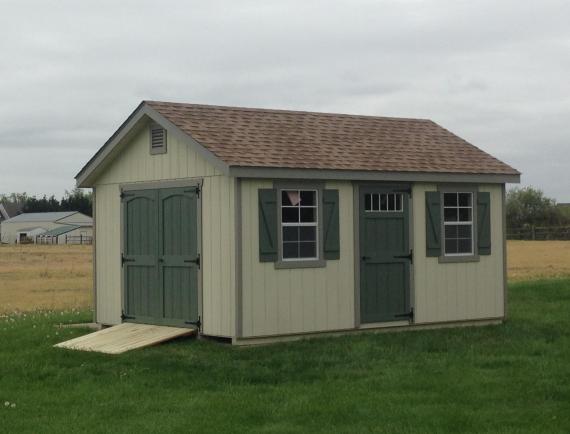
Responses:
[509,378]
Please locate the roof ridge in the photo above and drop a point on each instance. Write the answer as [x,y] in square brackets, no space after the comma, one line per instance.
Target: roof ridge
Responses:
[286,111]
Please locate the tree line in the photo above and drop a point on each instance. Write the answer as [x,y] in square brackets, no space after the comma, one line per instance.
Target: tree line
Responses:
[74,200]
[529,207]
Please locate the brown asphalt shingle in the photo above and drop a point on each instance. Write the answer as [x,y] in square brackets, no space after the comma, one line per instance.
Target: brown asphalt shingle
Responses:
[292,139]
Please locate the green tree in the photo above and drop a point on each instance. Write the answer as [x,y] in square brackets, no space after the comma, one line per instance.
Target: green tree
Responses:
[44,204]
[14,198]
[529,206]
[78,200]
[74,200]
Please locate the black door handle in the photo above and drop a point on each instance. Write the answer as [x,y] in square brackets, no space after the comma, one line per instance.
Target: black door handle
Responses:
[365,258]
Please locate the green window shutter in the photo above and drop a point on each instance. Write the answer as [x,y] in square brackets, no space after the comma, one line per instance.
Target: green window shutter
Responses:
[484,223]
[267,225]
[331,237]
[433,223]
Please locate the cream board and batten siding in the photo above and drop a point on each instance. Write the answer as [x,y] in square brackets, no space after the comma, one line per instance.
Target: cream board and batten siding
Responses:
[135,164]
[446,292]
[302,300]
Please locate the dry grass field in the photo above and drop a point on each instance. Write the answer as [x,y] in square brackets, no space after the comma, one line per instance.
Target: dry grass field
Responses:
[59,277]
[538,259]
[45,277]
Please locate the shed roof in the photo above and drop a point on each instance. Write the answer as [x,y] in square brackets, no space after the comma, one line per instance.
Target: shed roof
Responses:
[61,230]
[241,140]
[296,139]
[40,216]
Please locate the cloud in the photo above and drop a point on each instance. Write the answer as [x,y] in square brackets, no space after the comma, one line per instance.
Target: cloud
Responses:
[494,73]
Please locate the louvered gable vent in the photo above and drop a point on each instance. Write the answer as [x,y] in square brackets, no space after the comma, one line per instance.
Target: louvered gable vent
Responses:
[157,140]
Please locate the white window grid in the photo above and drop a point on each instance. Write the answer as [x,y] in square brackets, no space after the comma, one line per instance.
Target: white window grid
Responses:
[458,223]
[300,224]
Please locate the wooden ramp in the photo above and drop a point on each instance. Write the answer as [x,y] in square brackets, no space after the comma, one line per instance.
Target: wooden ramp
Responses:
[124,337]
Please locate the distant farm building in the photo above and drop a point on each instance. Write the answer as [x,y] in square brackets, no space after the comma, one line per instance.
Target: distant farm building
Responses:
[8,210]
[67,227]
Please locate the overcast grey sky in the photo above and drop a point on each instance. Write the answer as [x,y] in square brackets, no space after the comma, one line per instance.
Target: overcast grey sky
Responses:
[496,73]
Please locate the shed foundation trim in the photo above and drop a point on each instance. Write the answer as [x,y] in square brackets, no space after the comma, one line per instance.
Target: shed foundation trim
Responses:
[369,328]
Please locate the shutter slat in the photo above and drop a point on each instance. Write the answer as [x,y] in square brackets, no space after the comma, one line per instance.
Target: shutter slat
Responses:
[331,230]
[433,223]
[484,223]
[267,225]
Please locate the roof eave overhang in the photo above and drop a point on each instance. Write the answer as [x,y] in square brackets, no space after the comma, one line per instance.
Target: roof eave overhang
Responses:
[3,212]
[369,175]
[88,173]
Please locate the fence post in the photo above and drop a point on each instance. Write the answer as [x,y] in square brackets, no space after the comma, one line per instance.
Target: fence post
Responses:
[533,233]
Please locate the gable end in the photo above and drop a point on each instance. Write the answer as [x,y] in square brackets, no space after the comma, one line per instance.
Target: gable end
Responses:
[142,114]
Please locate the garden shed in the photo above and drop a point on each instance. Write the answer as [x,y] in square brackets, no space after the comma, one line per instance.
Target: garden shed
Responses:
[258,225]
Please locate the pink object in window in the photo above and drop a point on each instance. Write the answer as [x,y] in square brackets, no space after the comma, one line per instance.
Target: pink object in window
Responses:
[294,197]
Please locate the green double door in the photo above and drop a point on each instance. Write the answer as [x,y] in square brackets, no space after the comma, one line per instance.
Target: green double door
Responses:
[385,255]
[160,256]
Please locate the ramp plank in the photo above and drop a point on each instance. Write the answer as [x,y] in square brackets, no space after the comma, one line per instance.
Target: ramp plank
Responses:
[125,337]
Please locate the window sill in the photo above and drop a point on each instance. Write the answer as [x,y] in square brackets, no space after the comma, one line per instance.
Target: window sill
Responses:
[284,265]
[458,259]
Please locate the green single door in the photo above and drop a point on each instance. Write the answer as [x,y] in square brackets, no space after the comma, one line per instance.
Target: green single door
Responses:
[178,255]
[160,256]
[385,255]
[140,254]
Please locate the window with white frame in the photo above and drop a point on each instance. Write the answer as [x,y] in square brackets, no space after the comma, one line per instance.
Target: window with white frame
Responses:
[299,224]
[458,223]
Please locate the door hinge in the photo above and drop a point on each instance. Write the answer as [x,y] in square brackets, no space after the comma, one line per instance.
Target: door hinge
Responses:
[125,316]
[194,261]
[123,259]
[196,323]
[195,190]
[410,256]
[409,315]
